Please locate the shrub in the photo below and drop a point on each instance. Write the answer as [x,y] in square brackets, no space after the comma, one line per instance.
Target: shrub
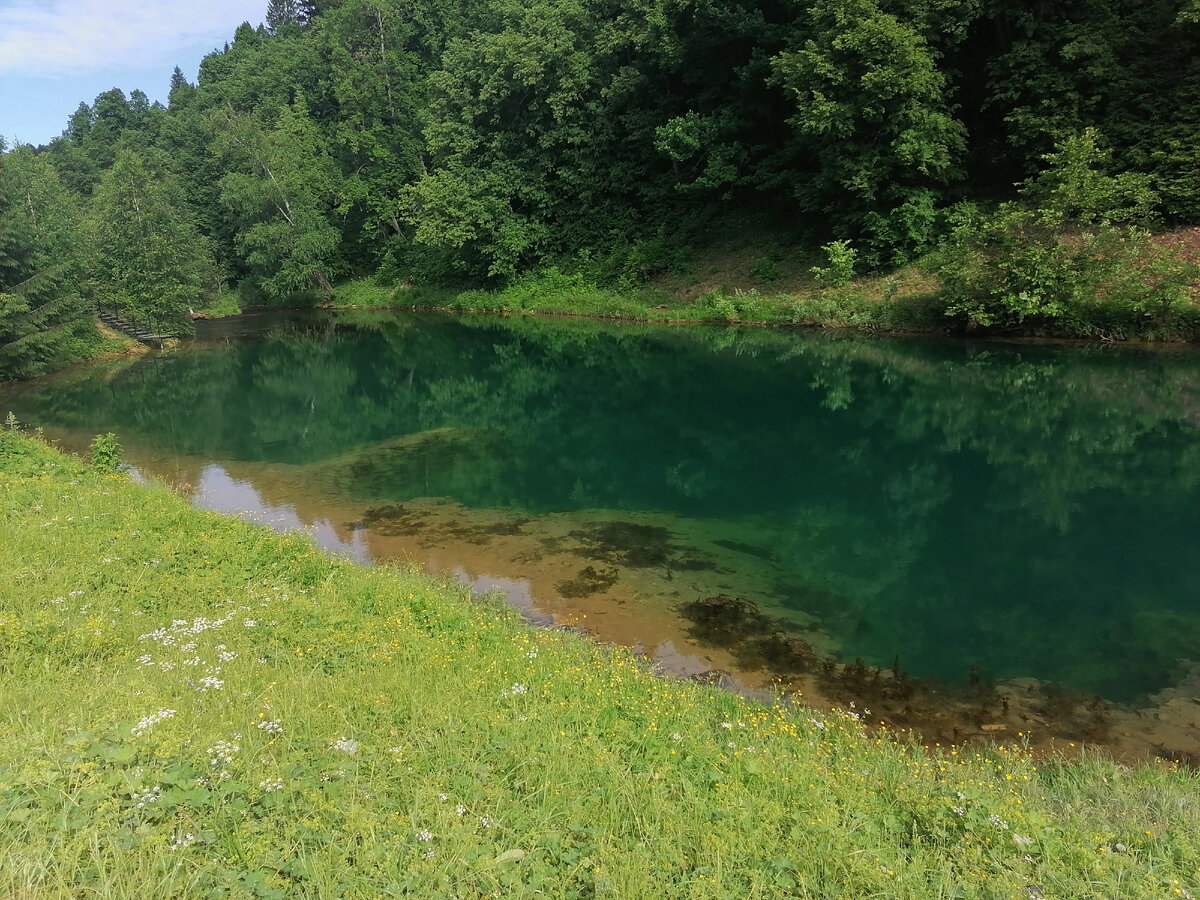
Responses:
[740,306]
[1074,247]
[105,453]
[764,271]
[1021,266]
[840,271]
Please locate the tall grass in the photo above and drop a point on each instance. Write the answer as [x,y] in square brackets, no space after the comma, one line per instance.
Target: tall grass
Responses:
[192,706]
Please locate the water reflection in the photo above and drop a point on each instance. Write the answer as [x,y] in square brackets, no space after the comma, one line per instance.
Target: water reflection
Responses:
[218,491]
[937,509]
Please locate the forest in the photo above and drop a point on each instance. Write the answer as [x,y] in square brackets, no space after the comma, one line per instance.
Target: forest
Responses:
[1023,155]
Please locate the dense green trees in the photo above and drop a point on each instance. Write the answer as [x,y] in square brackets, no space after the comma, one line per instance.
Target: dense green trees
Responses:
[279,190]
[434,139]
[146,259]
[42,318]
[874,112]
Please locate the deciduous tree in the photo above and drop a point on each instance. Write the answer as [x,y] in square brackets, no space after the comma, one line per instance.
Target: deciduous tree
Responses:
[148,260]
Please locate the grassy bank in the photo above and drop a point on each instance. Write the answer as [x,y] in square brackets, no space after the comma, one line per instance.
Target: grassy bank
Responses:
[1001,279]
[192,706]
[906,301]
[87,340]
[902,303]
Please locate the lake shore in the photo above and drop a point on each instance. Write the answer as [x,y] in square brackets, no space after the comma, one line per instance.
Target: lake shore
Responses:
[194,704]
[904,302]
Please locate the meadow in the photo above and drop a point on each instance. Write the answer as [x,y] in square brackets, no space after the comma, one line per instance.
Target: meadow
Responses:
[192,706]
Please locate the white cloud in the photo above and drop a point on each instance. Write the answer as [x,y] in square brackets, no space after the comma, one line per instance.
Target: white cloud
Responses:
[49,38]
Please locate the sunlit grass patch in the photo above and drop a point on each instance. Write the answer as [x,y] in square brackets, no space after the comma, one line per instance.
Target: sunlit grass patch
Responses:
[193,706]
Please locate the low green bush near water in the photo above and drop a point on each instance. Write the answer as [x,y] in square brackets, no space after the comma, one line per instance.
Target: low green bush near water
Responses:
[1074,257]
[193,706]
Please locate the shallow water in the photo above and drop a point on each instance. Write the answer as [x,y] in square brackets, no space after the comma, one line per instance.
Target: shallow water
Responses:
[733,500]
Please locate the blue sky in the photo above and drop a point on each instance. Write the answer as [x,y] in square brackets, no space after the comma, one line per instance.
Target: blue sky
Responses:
[56,53]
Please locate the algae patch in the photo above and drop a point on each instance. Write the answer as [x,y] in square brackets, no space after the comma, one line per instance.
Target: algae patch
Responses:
[428,463]
[590,580]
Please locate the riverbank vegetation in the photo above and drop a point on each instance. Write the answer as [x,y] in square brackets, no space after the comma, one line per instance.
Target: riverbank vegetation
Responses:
[195,706]
[1020,157]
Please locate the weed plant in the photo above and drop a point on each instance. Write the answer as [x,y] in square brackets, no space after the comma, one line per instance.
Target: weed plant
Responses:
[191,706]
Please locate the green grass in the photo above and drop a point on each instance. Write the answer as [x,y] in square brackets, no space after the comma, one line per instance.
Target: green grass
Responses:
[366,293]
[367,732]
[225,303]
[731,289]
[867,305]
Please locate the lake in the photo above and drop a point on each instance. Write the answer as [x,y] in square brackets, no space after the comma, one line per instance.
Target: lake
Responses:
[964,538]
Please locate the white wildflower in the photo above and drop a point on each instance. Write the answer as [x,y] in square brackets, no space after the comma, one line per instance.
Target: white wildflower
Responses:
[148,796]
[144,724]
[221,753]
[349,746]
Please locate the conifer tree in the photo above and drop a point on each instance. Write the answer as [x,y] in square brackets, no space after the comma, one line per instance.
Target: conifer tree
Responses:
[40,313]
[282,13]
[310,10]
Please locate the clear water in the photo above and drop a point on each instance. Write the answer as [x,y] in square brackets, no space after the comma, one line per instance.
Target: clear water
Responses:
[1020,510]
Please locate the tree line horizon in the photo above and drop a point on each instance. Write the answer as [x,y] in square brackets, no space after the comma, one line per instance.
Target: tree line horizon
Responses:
[431,141]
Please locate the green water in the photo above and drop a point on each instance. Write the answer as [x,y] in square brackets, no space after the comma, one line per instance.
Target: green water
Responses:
[1030,511]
